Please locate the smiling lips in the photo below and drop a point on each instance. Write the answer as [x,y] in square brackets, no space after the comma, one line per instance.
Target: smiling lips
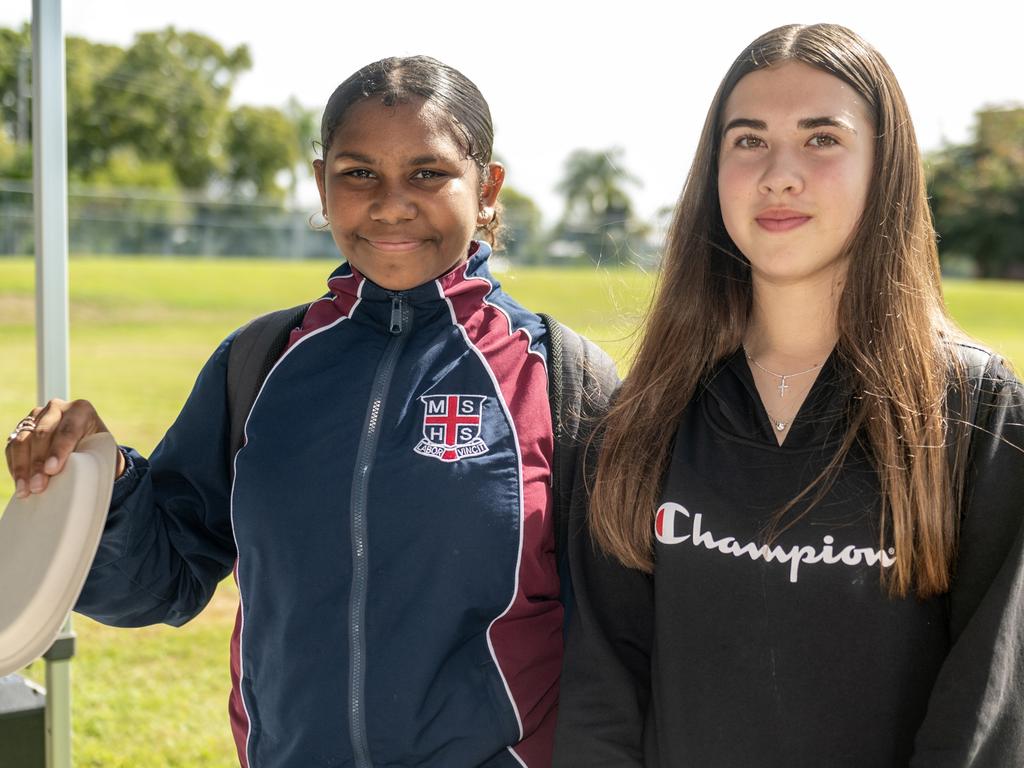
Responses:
[781,219]
[395,246]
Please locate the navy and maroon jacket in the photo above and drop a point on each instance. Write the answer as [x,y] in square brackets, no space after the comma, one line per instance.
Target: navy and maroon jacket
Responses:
[389,527]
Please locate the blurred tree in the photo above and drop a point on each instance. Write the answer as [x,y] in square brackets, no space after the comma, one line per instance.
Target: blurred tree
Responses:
[15,159]
[168,98]
[598,214]
[306,128]
[87,120]
[153,146]
[89,116]
[977,194]
[260,146]
[15,82]
[165,97]
[522,227]
[125,169]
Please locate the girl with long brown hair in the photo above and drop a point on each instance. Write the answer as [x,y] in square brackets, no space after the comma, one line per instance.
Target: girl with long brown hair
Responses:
[805,542]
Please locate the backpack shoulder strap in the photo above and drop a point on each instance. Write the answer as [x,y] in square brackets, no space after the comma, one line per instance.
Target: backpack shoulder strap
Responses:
[581,377]
[963,408]
[975,361]
[563,425]
[254,350]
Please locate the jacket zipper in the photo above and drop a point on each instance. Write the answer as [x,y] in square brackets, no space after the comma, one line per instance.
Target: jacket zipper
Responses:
[398,328]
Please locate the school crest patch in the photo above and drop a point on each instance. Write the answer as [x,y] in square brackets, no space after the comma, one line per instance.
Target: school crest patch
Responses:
[451,427]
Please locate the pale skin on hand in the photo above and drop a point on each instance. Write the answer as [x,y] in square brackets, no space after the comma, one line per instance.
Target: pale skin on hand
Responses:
[34,457]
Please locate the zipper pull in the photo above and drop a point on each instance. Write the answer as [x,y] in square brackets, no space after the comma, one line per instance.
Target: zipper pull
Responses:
[397,321]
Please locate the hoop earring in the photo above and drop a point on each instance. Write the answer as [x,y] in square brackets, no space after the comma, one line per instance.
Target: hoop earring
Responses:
[322,224]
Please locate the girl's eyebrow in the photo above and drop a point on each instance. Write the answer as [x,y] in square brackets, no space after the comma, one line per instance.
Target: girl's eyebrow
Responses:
[745,122]
[354,156]
[827,122]
[806,123]
[366,159]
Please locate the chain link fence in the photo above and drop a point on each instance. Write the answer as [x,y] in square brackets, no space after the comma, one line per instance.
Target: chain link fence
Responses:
[128,221]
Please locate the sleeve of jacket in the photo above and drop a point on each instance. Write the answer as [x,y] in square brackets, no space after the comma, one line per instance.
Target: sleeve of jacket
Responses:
[975,715]
[605,685]
[168,539]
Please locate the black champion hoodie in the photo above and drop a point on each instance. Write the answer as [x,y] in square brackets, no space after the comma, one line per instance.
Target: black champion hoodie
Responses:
[744,651]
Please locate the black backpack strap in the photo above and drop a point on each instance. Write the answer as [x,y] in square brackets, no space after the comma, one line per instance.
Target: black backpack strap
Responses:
[254,350]
[975,360]
[963,409]
[563,429]
[581,377]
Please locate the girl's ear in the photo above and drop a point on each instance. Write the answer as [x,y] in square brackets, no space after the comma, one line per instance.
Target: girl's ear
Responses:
[490,186]
[318,172]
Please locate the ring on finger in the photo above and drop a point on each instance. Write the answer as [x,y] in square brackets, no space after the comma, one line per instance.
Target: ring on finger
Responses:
[28,424]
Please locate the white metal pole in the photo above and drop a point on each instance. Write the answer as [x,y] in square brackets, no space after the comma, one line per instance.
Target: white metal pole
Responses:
[49,150]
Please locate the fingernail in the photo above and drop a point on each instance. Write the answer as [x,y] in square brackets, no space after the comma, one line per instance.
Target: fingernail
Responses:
[50,466]
[35,484]
[20,489]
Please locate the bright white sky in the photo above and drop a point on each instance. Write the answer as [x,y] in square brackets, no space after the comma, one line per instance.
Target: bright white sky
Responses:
[563,74]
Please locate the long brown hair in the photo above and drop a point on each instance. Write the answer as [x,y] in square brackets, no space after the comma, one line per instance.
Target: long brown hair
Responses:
[894,333]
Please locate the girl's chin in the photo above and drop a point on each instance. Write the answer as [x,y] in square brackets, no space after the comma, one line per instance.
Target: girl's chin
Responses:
[791,270]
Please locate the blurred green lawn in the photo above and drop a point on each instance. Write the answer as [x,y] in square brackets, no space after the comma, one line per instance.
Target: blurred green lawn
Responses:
[140,330]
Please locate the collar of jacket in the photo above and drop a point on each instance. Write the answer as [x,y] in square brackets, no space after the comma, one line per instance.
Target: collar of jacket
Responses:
[364,301]
[729,400]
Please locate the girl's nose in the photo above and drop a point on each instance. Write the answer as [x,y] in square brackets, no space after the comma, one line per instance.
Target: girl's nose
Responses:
[392,207]
[782,174]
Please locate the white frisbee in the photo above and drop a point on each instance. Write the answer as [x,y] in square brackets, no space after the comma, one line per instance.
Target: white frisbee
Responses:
[47,545]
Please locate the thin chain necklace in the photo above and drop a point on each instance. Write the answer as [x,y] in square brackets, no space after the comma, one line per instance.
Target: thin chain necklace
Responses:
[783,386]
[779,424]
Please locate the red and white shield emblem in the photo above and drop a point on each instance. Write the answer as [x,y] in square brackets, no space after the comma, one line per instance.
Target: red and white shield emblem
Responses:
[451,427]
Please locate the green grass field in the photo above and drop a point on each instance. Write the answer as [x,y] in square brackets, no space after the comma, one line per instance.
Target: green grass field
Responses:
[140,330]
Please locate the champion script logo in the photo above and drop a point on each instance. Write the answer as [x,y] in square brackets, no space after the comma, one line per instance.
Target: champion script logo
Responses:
[670,529]
[451,427]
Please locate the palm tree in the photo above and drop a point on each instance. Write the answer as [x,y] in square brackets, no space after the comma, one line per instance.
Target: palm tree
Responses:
[598,209]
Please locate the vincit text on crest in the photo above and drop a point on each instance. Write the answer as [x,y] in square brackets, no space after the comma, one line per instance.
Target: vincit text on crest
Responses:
[451,427]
